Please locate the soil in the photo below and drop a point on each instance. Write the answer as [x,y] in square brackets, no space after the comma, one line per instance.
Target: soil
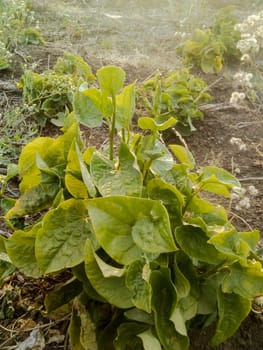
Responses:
[210,145]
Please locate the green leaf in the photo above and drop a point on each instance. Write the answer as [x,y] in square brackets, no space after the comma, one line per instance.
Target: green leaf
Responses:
[214,179]
[30,36]
[178,321]
[150,342]
[112,219]
[108,270]
[232,310]
[62,295]
[139,316]
[4,64]
[153,152]
[87,105]
[27,167]
[251,238]
[213,185]
[57,154]
[183,155]
[188,307]
[244,281]
[124,179]
[21,250]
[127,336]
[230,244]
[82,332]
[139,285]
[74,65]
[119,222]
[12,170]
[147,123]
[6,269]
[178,176]
[73,178]
[2,245]
[85,173]
[112,289]
[163,300]
[80,273]
[60,244]
[207,298]
[194,243]
[111,79]
[181,283]
[74,331]
[34,200]
[211,215]
[162,160]
[125,107]
[152,232]
[170,197]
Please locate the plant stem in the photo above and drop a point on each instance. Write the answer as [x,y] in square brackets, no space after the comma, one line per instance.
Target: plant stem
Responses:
[112,129]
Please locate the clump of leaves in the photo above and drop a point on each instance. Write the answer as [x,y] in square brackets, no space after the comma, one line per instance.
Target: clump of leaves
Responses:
[150,257]
[31,36]
[16,26]
[210,48]
[176,95]
[51,92]
[74,65]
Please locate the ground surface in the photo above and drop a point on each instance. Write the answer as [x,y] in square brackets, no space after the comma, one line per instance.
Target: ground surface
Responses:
[139,36]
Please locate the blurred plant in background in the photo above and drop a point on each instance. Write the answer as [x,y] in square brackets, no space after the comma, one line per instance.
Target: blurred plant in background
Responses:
[249,80]
[16,27]
[209,48]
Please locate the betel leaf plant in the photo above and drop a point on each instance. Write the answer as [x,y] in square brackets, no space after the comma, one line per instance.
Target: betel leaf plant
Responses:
[50,93]
[210,48]
[150,257]
[178,94]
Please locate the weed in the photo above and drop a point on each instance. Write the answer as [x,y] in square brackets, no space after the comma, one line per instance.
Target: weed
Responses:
[16,18]
[17,129]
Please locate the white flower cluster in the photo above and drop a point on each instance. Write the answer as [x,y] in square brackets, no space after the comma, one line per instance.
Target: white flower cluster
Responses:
[242,196]
[237,98]
[181,35]
[243,80]
[238,142]
[251,41]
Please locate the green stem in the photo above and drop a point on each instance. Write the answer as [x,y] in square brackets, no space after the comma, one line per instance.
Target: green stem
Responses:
[215,269]
[123,135]
[195,192]
[112,129]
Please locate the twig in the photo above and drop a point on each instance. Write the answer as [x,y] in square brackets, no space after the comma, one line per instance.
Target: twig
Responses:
[8,330]
[240,218]
[46,325]
[207,88]
[245,124]
[10,347]
[216,107]
[7,341]
[20,55]
[180,137]
[256,178]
